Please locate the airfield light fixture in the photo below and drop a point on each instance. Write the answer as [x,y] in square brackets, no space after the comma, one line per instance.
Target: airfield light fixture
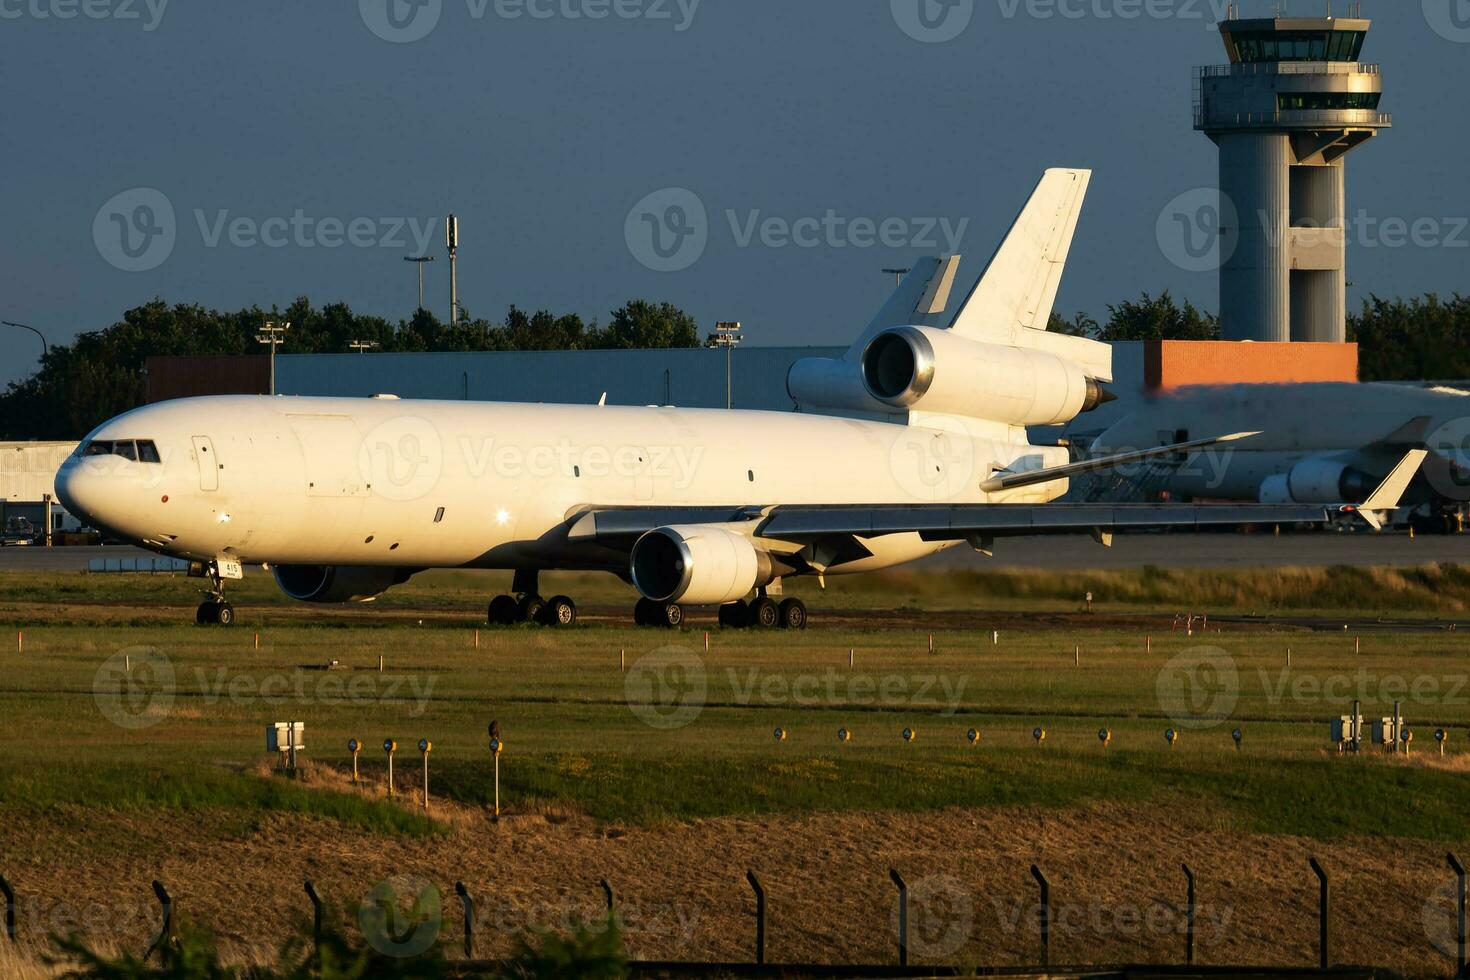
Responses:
[1237,736]
[1039,734]
[354,746]
[273,333]
[843,735]
[1171,736]
[973,736]
[45,347]
[1105,737]
[425,747]
[496,745]
[780,734]
[390,746]
[419,261]
[910,734]
[1441,736]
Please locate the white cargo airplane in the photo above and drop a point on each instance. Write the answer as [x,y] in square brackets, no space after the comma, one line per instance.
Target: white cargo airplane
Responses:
[344,498]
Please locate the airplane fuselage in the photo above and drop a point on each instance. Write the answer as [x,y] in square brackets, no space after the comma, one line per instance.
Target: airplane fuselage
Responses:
[421,484]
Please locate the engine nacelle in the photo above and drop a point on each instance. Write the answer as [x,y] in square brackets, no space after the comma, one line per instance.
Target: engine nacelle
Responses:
[931,370]
[697,564]
[338,583]
[1317,481]
[825,382]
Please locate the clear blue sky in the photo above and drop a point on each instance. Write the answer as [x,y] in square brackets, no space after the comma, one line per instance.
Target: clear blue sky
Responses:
[543,133]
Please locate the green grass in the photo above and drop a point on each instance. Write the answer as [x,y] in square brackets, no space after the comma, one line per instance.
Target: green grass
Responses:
[579,737]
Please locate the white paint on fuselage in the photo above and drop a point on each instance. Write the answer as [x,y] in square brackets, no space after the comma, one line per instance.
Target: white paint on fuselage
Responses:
[361,481]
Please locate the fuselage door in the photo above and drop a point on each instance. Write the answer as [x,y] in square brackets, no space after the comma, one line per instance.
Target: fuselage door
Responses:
[208,465]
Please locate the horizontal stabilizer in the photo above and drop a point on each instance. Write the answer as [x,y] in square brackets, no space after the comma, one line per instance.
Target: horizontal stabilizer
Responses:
[1391,490]
[1025,478]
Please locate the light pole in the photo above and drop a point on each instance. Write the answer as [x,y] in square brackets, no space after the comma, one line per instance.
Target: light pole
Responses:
[897,274]
[727,335]
[419,260]
[363,346]
[274,334]
[451,241]
[45,347]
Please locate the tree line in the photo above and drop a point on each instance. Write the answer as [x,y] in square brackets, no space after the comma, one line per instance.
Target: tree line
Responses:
[101,373]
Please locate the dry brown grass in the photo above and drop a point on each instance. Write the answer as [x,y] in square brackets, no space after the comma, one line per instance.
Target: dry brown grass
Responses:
[1115,874]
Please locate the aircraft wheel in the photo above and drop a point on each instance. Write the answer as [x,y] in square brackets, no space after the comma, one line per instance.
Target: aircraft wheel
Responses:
[560,610]
[204,615]
[503,611]
[670,615]
[530,609]
[224,613]
[645,613]
[793,614]
[733,615]
[764,613]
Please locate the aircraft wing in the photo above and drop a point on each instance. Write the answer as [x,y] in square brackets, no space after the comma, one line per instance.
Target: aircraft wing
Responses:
[791,527]
[1011,479]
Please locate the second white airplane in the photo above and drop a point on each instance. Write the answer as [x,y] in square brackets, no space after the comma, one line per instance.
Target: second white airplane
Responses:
[344,498]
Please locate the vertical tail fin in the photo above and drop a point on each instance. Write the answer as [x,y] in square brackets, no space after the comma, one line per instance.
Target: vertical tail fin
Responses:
[1019,286]
[919,300]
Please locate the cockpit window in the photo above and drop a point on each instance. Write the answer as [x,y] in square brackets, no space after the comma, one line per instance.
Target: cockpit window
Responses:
[141,451]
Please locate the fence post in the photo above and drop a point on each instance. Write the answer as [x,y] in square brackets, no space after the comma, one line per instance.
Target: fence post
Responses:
[760,917]
[903,917]
[9,894]
[469,917]
[1323,922]
[1189,919]
[166,930]
[316,919]
[607,893]
[1459,869]
[1045,914]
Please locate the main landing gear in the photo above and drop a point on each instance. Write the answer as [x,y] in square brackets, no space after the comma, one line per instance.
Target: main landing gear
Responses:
[762,612]
[215,610]
[527,606]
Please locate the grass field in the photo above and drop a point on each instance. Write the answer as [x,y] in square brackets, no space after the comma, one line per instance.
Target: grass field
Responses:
[123,728]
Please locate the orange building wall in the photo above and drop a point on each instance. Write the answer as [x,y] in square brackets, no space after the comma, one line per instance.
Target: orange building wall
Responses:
[1174,363]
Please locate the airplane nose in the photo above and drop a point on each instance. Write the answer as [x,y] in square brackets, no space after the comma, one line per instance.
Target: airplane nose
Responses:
[80,491]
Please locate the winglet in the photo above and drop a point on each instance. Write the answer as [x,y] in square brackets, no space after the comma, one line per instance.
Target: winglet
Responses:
[1391,490]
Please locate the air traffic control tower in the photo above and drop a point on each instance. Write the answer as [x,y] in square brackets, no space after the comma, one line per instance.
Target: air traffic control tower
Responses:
[1285,112]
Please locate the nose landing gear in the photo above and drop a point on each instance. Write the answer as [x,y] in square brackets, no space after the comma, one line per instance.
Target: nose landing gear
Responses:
[215,610]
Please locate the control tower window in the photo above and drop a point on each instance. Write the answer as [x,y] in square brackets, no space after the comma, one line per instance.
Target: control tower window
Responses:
[1271,46]
[1328,100]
